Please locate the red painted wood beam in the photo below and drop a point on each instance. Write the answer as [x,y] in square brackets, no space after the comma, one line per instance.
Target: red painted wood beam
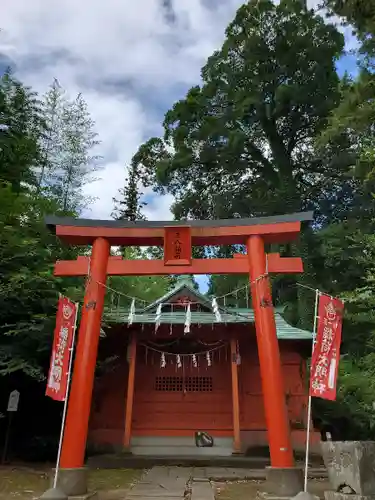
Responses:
[130,391]
[121,267]
[278,264]
[154,236]
[235,397]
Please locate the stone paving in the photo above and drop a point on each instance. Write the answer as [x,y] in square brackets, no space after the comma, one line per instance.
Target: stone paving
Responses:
[171,483]
[202,490]
[226,473]
[193,483]
[162,482]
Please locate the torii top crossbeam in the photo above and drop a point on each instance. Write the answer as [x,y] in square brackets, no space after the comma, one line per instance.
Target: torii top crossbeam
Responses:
[275,229]
[178,238]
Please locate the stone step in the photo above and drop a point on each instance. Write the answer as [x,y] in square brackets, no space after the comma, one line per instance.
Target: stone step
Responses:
[213,467]
[225,442]
[129,461]
[182,451]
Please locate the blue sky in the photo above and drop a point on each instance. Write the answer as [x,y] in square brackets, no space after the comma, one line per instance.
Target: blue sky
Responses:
[130,60]
[347,63]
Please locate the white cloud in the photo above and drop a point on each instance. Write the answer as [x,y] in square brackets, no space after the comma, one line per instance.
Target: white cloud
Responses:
[125,57]
[129,61]
[158,207]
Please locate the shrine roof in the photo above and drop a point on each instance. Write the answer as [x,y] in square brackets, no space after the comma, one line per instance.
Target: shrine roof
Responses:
[203,232]
[184,286]
[185,289]
[229,316]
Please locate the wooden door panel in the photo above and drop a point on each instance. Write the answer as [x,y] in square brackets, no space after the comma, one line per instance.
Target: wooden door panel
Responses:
[183,399]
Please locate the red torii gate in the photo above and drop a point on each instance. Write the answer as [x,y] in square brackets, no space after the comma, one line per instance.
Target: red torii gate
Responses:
[178,239]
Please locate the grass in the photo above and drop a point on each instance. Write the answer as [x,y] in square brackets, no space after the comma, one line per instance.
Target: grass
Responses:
[237,490]
[27,484]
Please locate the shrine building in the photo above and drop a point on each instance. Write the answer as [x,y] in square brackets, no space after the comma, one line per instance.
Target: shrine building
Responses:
[195,370]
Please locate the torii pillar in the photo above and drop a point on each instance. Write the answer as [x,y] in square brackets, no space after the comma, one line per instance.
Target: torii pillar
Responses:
[73,480]
[283,478]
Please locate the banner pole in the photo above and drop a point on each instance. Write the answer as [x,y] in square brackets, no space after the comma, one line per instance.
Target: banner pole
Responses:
[317,294]
[66,399]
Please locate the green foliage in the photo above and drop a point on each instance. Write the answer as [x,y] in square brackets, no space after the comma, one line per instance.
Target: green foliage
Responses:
[129,206]
[221,285]
[350,247]
[351,416]
[361,15]
[67,162]
[356,113]
[242,143]
[19,120]
[28,289]
[355,117]
[122,289]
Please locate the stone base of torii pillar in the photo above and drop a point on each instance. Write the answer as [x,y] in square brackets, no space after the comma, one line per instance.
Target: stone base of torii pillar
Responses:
[71,485]
[57,494]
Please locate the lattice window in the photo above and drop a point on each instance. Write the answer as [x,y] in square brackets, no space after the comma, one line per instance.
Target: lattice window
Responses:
[179,384]
[198,384]
[169,384]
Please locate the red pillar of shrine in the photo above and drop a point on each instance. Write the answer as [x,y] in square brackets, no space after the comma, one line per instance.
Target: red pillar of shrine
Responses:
[279,437]
[77,420]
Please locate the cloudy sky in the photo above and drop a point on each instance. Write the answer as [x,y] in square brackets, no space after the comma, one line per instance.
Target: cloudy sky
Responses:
[130,60]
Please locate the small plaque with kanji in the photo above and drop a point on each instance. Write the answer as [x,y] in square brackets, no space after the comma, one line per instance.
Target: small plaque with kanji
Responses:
[177,246]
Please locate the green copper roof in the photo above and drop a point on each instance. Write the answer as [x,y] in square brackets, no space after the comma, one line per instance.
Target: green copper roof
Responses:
[229,315]
[184,283]
[284,330]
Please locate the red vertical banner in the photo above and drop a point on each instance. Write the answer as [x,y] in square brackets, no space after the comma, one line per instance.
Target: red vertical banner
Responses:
[326,355]
[59,367]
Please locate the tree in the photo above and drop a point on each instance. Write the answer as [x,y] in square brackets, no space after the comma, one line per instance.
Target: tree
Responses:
[52,108]
[356,112]
[355,115]
[361,15]
[129,207]
[144,289]
[242,143]
[28,289]
[67,164]
[19,120]
[352,269]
